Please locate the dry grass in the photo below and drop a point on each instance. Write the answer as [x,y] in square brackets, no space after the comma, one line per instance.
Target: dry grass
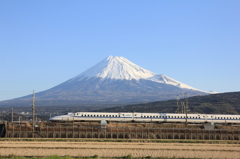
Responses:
[115,149]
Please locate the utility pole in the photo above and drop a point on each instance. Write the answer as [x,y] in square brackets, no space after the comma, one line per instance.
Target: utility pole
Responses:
[12,115]
[186,107]
[33,109]
[178,110]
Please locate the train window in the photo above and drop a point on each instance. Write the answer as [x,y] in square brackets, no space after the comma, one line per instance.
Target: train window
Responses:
[103,115]
[230,118]
[100,115]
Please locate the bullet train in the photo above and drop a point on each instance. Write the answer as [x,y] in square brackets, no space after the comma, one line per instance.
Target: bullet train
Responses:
[146,117]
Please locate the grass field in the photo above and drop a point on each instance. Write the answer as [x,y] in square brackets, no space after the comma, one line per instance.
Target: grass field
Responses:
[79,148]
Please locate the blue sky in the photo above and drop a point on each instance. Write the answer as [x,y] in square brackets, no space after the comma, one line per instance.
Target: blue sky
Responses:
[44,43]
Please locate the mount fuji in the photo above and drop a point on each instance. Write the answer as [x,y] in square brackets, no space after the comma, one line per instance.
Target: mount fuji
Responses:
[114,80]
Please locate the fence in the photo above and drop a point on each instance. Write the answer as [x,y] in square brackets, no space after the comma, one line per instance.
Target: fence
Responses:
[79,131]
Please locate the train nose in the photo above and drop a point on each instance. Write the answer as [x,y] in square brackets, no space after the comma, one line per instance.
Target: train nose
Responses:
[53,118]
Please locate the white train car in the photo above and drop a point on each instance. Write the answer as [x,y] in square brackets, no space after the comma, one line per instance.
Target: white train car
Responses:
[147,117]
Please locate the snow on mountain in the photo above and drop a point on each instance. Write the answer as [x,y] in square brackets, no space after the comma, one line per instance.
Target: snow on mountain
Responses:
[119,68]
[168,80]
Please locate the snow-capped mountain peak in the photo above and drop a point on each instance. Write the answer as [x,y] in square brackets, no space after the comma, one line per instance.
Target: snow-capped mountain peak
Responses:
[115,80]
[115,67]
[119,68]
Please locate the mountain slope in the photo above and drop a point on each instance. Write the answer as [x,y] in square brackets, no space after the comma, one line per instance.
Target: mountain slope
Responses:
[113,80]
[222,103]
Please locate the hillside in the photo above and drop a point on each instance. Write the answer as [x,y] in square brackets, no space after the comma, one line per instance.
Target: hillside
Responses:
[223,103]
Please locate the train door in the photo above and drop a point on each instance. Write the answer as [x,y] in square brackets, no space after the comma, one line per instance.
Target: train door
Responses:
[204,118]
